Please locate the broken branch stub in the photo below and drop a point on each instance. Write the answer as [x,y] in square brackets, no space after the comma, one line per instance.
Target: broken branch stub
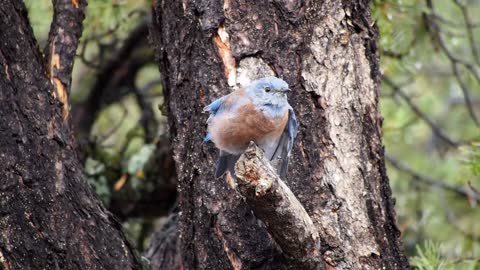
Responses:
[274,203]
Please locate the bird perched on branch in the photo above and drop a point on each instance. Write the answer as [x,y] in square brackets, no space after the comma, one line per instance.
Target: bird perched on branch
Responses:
[258,113]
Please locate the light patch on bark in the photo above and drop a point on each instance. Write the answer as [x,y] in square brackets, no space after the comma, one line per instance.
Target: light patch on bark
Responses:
[4,262]
[60,92]
[221,40]
[226,5]
[339,73]
[235,262]
[59,182]
[252,68]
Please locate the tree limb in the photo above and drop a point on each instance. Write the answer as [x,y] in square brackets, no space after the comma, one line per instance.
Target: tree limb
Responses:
[461,191]
[275,204]
[422,115]
[63,39]
[116,73]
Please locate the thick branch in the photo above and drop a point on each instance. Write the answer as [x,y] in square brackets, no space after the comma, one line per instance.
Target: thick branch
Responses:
[275,204]
[50,217]
[65,32]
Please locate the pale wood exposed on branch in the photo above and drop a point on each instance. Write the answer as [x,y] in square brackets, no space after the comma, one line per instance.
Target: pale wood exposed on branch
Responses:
[275,205]
[63,39]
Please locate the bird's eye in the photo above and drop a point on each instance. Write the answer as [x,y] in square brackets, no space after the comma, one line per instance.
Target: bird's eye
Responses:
[267,89]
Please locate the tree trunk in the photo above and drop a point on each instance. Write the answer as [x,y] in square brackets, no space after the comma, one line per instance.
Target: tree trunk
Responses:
[49,216]
[326,51]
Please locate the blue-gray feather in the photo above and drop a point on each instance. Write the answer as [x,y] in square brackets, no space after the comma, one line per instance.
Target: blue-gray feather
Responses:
[284,147]
[213,107]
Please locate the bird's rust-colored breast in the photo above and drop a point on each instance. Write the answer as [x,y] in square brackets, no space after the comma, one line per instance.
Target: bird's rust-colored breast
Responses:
[234,130]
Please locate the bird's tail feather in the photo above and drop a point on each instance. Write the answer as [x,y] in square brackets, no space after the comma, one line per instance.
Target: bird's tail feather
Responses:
[226,162]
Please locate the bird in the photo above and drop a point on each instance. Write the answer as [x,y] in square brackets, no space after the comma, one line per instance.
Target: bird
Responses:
[259,112]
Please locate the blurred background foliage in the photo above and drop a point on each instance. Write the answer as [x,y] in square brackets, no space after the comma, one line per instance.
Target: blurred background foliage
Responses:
[430,101]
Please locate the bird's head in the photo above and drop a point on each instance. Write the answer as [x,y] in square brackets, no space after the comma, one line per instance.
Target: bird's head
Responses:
[269,93]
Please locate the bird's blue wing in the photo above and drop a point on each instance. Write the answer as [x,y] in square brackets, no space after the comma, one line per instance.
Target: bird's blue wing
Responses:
[213,109]
[282,154]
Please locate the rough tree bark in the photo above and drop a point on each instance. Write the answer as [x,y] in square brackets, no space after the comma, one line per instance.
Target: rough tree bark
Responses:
[326,51]
[49,216]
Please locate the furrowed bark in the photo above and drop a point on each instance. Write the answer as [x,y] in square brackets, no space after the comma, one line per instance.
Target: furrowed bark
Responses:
[326,51]
[65,32]
[163,252]
[49,216]
[275,204]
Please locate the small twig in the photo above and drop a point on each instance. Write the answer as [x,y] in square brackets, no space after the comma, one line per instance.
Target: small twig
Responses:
[434,127]
[469,25]
[452,219]
[463,192]
[434,29]
[466,94]
[275,204]
[463,260]
[147,119]
[114,128]
[450,23]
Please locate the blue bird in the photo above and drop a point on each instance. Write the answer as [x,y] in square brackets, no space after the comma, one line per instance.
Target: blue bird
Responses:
[258,113]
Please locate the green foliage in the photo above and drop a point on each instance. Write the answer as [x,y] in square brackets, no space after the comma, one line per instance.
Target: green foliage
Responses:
[415,61]
[473,159]
[94,171]
[429,258]
[104,15]
[40,13]
[136,163]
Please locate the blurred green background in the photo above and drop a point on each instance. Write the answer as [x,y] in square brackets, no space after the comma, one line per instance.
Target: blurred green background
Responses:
[430,101]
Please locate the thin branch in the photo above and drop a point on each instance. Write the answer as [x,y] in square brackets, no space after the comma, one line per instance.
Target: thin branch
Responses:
[466,95]
[147,119]
[102,45]
[450,23]
[102,138]
[433,126]
[452,219]
[275,204]
[434,29]
[469,25]
[63,39]
[461,191]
